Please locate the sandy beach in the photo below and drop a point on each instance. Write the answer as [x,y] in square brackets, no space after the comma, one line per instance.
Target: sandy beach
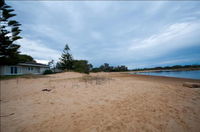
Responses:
[116,102]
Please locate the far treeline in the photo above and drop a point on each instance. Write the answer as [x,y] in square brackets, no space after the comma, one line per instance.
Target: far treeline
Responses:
[68,63]
[195,66]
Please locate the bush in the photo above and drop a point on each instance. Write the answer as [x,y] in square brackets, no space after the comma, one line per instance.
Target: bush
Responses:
[48,72]
[81,66]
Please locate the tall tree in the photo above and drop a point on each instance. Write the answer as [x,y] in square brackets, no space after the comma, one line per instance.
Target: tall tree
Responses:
[66,60]
[9,33]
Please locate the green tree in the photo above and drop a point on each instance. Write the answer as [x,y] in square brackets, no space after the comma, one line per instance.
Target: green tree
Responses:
[9,33]
[66,60]
[25,58]
[82,66]
[106,67]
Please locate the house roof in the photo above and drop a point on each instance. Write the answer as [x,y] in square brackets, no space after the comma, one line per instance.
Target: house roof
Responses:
[33,64]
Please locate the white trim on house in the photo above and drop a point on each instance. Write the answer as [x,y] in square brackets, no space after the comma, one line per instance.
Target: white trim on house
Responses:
[23,68]
[33,64]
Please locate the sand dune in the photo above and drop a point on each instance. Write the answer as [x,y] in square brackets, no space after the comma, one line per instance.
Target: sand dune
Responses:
[114,102]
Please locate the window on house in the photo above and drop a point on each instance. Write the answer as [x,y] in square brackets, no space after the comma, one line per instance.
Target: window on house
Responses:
[13,70]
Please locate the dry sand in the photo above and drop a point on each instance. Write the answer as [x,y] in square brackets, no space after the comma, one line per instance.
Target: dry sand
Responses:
[114,102]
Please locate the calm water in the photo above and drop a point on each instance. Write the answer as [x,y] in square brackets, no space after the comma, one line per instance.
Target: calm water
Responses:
[179,74]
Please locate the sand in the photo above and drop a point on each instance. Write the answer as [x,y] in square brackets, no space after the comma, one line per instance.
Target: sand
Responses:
[115,102]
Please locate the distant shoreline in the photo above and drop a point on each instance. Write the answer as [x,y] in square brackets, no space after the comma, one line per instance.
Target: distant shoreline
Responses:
[174,73]
[157,77]
[160,70]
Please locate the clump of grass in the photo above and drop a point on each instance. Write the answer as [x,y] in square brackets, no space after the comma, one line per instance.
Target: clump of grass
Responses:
[6,77]
[27,76]
[98,80]
[32,76]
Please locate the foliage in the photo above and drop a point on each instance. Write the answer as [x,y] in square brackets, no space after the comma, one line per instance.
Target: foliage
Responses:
[25,58]
[9,33]
[82,66]
[106,68]
[120,68]
[96,69]
[58,66]
[66,60]
[48,72]
[67,63]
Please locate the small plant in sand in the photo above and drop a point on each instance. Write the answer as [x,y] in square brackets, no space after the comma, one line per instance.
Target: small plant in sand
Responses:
[98,80]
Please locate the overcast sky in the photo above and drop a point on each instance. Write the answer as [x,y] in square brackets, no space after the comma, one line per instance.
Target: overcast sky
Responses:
[132,33]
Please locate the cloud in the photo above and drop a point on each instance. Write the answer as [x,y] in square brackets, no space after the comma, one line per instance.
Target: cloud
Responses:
[96,35]
[177,61]
[42,61]
[98,7]
[38,50]
[175,36]
[156,7]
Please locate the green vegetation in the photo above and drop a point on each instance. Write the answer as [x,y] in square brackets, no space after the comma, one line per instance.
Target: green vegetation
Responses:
[106,68]
[66,59]
[48,72]
[68,63]
[25,58]
[82,66]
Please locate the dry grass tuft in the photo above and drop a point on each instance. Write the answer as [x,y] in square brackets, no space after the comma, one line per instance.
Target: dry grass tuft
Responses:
[33,76]
[98,80]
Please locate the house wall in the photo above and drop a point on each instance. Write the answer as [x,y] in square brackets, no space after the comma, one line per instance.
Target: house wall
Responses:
[30,70]
[6,70]
[2,70]
[42,69]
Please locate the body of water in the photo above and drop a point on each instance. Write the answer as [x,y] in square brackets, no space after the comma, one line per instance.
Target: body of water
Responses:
[179,74]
